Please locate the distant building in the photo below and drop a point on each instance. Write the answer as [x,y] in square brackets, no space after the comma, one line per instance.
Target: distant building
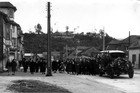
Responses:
[82,52]
[66,34]
[134,54]
[28,55]
[122,44]
[90,52]
[55,55]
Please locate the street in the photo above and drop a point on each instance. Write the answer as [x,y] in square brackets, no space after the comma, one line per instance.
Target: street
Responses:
[123,83]
[79,83]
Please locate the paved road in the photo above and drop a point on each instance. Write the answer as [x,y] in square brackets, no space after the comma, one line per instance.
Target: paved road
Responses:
[123,83]
[80,83]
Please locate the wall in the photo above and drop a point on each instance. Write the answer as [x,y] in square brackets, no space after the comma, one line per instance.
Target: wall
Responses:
[4,10]
[1,41]
[137,52]
[9,12]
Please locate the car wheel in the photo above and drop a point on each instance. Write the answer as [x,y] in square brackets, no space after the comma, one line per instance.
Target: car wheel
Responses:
[111,74]
[131,73]
[100,74]
[118,75]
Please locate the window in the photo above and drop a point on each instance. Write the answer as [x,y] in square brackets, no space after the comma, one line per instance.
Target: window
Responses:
[126,48]
[13,30]
[11,13]
[14,42]
[133,58]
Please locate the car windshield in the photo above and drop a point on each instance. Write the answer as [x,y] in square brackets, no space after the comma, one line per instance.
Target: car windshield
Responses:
[116,55]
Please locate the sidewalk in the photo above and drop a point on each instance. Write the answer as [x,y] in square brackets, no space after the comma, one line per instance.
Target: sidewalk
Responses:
[137,71]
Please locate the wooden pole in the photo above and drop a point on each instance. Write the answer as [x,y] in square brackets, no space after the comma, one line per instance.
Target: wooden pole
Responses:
[66,52]
[2,41]
[129,39]
[129,44]
[49,64]
[103,39]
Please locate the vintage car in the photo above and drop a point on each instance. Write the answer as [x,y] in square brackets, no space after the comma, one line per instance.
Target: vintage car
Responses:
[115,62]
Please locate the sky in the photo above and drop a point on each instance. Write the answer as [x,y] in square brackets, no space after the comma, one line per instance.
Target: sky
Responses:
[116,17]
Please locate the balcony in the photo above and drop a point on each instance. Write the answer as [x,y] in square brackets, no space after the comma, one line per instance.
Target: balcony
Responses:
[8,43]
[12,48]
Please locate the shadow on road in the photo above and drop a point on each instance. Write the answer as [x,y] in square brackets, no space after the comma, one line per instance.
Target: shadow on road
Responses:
[117,77]
[23,74]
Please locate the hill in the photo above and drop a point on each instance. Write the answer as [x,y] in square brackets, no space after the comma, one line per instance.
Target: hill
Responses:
[37,43]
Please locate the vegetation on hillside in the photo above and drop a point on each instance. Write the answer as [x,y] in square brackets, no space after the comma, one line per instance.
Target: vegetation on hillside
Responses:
[37,43]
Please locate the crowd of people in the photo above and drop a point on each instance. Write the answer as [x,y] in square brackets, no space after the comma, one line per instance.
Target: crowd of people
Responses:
[39,65]
[11,66]
[85,66]
[76,66]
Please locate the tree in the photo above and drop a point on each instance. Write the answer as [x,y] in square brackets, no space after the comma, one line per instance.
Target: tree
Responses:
[67,28]
[82,33]
[89,33]
[102,33]
[38,28]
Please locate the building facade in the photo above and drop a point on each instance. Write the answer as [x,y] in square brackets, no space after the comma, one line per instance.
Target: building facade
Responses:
[11,39]
[122,44]
[134,54]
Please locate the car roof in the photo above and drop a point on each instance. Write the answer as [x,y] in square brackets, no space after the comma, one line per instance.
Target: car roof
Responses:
[113,51]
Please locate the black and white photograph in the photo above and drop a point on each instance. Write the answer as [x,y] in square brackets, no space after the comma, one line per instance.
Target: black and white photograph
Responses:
[70,46]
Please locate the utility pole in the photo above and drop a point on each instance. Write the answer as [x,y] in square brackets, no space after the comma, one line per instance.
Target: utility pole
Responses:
[103,39]
[129,39]
[1,41]
[66,52]
[129,44]
[49,64]
[78,41]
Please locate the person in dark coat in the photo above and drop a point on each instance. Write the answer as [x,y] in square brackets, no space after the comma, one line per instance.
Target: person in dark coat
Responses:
[54,66]
[43,66]
[70,66]
[67,63]
[13,65]
[73,67]
[25,65]
[77,66]
[37,65]
[93,66]
[59,65]
[8,66]
[32,67]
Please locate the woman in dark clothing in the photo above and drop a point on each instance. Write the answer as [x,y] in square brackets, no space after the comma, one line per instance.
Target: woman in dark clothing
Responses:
[67,65]
[54,66]
[43,66]
[8,66]
[37,65]
[32,67]
[25,65]
[13,65]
